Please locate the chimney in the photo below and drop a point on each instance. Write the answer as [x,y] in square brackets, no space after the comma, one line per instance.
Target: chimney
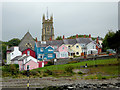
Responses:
[76,35]
[89,35]
[50,39]
[36,39]
[97,40]
[7,47]
[63,37]
[84,36]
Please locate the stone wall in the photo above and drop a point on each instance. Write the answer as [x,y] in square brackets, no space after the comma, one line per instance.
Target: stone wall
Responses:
[67,60]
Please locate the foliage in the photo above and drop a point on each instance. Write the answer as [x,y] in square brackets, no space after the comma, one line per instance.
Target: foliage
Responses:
[10,43]
[49,63]
[114,41]
[49,72]
[69,69]
[12,69]
[13,42]
[74,36]
[105,41]
[72,62]
[59,38]
[80,72]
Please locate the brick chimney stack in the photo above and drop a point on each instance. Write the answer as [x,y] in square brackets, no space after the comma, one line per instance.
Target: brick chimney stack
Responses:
[36,39]
[76,35]
[89,35]
[84,36]
[63,37]
[50,39]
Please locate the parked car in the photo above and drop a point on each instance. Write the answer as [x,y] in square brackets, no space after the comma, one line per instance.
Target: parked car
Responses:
[111,51]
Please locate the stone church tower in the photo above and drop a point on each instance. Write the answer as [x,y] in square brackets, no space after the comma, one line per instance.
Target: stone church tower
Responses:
[47,28]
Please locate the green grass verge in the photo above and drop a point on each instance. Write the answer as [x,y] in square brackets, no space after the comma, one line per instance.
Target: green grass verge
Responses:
[77,65]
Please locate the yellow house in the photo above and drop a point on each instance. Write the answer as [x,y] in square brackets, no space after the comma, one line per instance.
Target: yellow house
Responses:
[77,49]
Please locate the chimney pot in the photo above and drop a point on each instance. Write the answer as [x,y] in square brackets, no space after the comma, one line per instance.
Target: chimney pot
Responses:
[76,35]
[89,35]
[63,37]
[36,39]
[84,36]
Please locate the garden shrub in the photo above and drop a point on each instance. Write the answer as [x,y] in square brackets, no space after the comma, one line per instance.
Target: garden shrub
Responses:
[69,69]
[49,63]
[80,73]
[49,72]
[72,62]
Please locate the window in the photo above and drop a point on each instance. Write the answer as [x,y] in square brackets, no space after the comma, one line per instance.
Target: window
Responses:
[77,46]
[63,48]
[28,53]
[77,53]
[93,47]
[50,50]
[49,55]
[40,56]
[41,49]
[28,67]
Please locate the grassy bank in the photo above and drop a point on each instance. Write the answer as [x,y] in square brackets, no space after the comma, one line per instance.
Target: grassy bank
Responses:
[108,70]
[77,65]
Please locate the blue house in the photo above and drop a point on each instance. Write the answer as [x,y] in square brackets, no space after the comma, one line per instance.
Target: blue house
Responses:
[44,51]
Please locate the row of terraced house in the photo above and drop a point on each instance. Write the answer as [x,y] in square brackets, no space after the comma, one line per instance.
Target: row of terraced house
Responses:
[33,54]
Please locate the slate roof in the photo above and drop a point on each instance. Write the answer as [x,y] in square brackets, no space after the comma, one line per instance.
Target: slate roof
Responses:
[12,48]
[27,39]
[40,45]
[83,40]
[55,42]
[16,58]
[65,41]
[23,57]
[70,41]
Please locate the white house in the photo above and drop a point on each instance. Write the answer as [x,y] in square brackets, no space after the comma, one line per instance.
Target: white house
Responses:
[91,48]
[12,53]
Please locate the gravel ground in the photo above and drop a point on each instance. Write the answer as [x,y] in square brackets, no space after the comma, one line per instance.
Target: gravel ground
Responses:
[62,83]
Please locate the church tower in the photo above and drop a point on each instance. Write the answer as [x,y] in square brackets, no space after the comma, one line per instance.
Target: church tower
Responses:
[47,28]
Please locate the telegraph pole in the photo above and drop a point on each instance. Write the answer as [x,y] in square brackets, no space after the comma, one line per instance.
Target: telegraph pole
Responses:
[28,77]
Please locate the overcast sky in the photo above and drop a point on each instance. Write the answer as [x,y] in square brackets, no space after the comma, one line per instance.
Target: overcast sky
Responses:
[70,18]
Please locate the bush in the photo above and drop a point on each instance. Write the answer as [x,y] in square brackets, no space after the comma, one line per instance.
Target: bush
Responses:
[69,69]
[34,72]
[49,63]
[72,62]
[80,73]
[49,72]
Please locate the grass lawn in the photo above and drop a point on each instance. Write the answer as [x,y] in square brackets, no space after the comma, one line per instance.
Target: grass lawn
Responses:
[77,65]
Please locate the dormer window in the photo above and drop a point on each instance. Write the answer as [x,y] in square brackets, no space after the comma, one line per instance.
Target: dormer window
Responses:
[77,46]
[63,48]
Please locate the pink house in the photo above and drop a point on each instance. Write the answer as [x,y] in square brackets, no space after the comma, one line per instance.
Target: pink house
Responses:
[27,62]
[62,52]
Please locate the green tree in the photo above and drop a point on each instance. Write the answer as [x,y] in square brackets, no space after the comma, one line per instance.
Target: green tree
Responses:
[114,42]
[13,42]
[105,42]
[59,38]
